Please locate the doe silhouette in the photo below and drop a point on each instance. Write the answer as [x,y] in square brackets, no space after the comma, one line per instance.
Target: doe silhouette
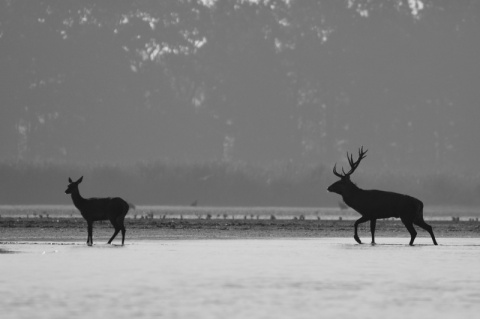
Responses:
[376,204]
[93,209]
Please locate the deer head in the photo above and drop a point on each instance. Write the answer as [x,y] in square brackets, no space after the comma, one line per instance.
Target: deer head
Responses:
[344,185]
[73,185]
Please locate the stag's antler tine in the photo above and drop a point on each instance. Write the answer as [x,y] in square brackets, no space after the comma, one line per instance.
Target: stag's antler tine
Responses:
[361,153]
[335,171]
[350,160]
[354,164]
[351,163]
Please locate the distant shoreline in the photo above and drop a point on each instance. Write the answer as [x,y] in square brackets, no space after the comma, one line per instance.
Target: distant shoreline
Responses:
[431,213]
[75,229]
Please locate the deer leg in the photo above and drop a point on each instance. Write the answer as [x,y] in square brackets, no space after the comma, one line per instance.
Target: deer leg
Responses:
[114,235]
[373,223]
[362,219]
[122,228]
[123,234]
[428,228]
[90,232]
[117,229]
[411,230]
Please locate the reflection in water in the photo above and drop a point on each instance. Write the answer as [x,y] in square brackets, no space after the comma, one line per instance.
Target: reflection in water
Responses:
[301,278]
[6,251]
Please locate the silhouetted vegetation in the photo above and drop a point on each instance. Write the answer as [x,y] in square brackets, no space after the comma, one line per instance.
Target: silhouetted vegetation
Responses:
[217,184]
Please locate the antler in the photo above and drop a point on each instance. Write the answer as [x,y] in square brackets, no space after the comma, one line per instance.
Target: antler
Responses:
[335,171]
[353,165]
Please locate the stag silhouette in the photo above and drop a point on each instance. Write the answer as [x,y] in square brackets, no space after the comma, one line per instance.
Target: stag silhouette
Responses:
[376,204]
[93,209]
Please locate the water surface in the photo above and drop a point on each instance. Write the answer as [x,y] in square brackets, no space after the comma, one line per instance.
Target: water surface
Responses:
[291,278]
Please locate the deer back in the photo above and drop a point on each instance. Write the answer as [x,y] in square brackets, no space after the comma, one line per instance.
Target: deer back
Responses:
[383,204]
[103,208]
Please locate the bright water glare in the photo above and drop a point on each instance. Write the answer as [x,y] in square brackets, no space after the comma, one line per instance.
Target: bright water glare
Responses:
[291,278]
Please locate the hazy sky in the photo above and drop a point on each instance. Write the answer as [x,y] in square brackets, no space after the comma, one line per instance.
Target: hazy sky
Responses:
[259,82]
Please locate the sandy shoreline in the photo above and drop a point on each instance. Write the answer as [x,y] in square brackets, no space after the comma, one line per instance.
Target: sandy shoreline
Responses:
[74,229]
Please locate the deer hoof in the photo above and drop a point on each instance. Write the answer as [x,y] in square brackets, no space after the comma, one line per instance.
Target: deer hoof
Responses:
[357,239]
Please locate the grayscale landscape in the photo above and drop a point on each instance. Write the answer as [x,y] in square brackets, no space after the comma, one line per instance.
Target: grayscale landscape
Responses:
[211,134]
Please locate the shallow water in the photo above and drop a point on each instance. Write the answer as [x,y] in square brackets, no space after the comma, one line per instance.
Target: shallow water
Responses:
[291,278]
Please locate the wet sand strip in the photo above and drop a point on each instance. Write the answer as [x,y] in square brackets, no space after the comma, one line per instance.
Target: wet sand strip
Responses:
[75,229]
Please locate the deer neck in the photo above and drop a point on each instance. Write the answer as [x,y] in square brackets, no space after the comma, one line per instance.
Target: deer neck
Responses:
[77,199]
[350,196]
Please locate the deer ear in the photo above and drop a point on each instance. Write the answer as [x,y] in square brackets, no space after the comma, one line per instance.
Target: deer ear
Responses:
[80,180]
[70,180]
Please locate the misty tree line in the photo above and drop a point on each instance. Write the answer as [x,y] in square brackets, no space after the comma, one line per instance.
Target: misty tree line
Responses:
[212,85]
[242,80]
[218,184]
